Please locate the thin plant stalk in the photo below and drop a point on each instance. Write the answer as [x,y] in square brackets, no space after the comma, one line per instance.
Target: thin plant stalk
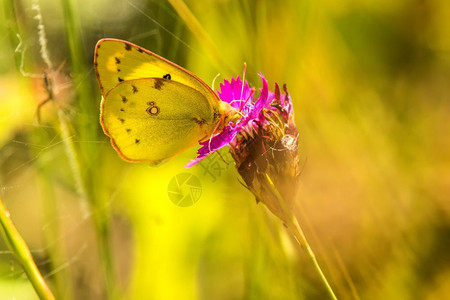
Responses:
[10,20]
[100,215]
[61,278]
[22,253]
[81,158]
[295,229]
[61,285]
[85,156]
[202,36]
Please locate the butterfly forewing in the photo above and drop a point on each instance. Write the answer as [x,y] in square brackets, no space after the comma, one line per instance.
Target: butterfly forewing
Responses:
[152,119]
[117,61]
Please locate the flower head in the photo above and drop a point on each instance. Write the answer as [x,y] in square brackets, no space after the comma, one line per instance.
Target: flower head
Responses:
[239,96]
[263,143]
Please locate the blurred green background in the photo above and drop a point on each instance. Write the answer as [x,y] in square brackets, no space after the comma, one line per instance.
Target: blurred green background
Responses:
[370,86]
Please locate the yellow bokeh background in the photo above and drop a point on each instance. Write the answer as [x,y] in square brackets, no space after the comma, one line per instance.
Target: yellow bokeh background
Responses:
[370,87]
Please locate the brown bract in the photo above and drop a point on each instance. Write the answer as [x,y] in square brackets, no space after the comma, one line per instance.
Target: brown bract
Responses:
[270,166]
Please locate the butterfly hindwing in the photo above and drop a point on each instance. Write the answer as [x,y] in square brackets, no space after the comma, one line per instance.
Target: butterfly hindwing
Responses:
[152,119]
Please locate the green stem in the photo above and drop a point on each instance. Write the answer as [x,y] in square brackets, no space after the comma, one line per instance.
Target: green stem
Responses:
[301,239]
[294,227]
[22,253]
[56,251]
[86,155]
[100,215]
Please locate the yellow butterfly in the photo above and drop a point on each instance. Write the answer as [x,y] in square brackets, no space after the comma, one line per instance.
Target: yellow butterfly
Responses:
[153,109]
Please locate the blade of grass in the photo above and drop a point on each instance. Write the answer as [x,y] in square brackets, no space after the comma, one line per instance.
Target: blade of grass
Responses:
[87,130]
[294,227]
[202,36]
[20,249]
[10,20]
[60,279]
[50,209]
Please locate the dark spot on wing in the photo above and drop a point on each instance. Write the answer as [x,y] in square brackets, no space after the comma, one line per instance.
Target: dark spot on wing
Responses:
[122,110]
[134,89]
[124,99]
[120,79]
[158,84]
[140,50]
[118,70]
[137,141]
[127,47]
[128,130]
[167,76]
[117,60]
[199,121]
[121,120]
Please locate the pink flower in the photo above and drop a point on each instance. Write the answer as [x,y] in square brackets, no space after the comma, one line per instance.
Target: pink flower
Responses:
[263,143]
[240,96]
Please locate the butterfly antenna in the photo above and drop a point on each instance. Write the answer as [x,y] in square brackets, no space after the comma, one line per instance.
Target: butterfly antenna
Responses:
[243,79]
